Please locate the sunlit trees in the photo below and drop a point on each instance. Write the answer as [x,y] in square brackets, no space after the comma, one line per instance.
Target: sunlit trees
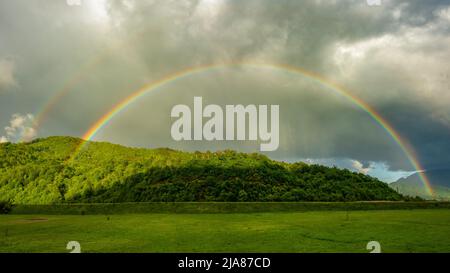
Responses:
[41,172]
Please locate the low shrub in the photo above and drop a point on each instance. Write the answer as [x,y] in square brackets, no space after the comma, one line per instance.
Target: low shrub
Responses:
[5,207]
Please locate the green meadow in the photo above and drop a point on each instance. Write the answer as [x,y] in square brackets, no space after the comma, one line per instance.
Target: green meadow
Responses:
[404,230]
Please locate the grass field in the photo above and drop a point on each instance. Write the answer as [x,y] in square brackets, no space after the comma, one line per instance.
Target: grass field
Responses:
[417,230]
[219,207]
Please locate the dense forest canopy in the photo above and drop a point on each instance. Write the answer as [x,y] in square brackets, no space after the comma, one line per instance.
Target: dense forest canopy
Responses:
[46,171]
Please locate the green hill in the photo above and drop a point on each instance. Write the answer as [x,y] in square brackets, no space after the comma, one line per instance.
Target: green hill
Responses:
[46,171]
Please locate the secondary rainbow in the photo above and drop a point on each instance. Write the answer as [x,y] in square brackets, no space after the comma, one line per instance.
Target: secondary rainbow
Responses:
[78,77]
[119,107]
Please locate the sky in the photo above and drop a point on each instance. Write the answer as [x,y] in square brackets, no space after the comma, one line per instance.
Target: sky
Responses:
[78,61]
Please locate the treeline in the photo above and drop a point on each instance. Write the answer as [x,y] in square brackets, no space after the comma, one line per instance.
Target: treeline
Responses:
[48,171]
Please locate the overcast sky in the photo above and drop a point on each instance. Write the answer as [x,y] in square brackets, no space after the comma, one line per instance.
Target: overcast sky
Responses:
[394,56]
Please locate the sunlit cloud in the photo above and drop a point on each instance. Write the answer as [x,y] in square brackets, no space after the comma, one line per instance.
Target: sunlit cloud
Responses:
[21,127]
[359,167]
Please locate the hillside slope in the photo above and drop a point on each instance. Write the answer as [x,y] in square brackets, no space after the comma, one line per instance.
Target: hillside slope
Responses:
[413,186]
[46,171]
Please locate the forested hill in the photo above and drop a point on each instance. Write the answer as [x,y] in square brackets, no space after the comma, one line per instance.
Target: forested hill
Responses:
[45,171]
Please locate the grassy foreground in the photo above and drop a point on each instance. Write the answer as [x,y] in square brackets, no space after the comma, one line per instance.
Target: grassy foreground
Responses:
[415,230]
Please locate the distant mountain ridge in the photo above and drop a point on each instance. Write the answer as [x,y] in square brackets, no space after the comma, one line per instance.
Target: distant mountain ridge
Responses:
[413,185]
[46,171]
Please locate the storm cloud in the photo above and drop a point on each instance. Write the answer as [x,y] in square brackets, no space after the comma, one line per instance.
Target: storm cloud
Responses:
[392,56]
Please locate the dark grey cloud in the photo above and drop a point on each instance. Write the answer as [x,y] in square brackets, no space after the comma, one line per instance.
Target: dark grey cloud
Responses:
[391,56]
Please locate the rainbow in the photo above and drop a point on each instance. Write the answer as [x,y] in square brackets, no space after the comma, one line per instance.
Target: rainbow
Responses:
[119,107]
[68,85]
[65,89]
